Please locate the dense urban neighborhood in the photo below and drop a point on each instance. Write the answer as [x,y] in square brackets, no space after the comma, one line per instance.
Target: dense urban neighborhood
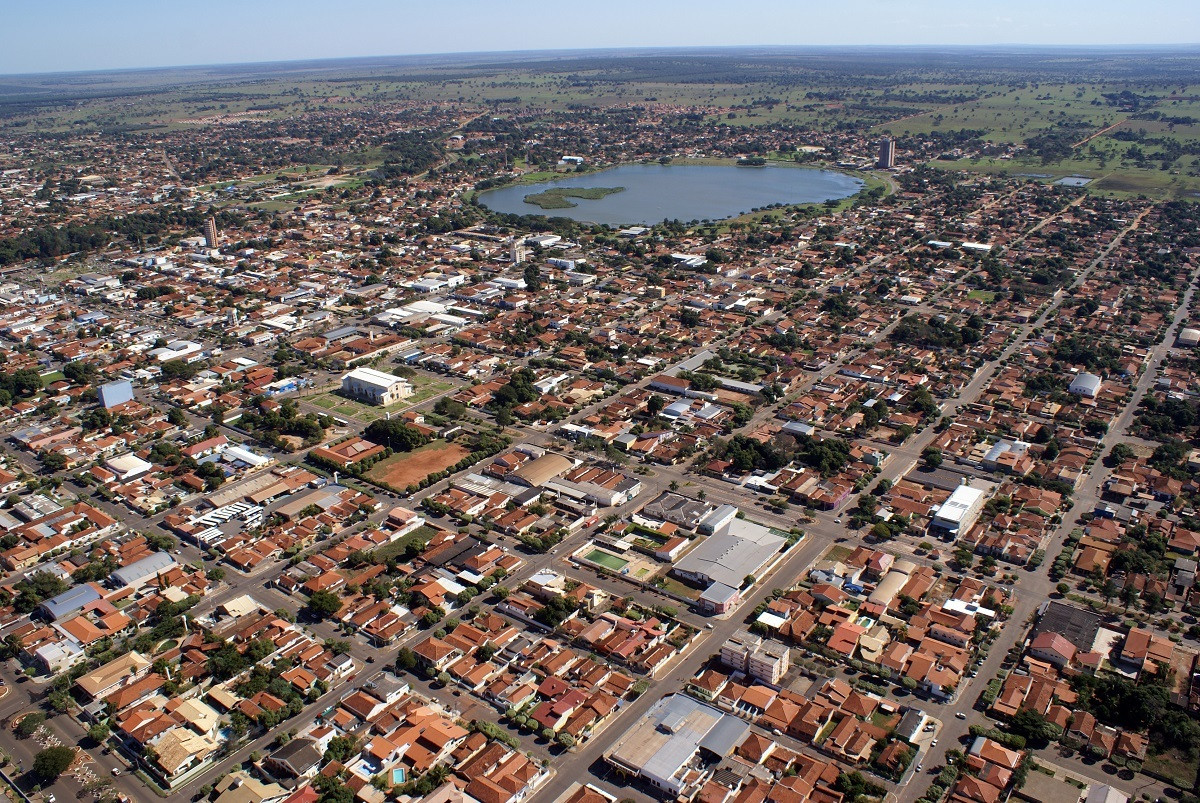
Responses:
[322,480]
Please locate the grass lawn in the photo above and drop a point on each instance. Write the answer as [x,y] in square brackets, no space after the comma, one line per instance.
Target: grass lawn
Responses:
[838,552]
[401,470]
[53,376]
[424,389]
[1174,765]
[396,548]
[986,296]
[682,589]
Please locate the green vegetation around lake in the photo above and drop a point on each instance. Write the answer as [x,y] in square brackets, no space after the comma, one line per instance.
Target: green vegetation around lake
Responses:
[556,198]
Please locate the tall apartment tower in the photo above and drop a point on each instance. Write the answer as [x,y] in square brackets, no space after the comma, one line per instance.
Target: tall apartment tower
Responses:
[210,232]
[887,154]
[516,251]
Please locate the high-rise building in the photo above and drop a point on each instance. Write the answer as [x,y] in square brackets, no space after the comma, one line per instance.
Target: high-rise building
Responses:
[887,153]
[516,251]
[210,232]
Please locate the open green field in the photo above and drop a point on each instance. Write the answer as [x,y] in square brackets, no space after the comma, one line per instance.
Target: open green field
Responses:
[1129,120]
[396,548]
[1108,179]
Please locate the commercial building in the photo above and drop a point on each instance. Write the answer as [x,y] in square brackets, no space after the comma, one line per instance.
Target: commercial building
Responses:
[140,572]
[736,550]
[891,583]
[210,232]
[1086,385]
[68,602]
[887,154]
[128,466]
[672,747]
[376,387]
[959,513]
[113,394]
[764,659]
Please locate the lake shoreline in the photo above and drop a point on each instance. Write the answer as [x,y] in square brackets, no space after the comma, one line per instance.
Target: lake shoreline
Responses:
[682,190]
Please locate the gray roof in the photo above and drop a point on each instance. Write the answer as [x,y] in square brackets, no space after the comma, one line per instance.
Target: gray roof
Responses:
[138,571]
[718,594]
[299,755]
[737,549]
[910,724]
[727,734]
[1076,625]
[1086,383]
[69,601]
[671,732]
[677,509]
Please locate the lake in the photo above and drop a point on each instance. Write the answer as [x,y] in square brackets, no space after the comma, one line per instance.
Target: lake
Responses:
[654,193]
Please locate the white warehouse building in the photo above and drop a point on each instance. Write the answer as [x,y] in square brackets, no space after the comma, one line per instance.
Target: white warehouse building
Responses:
[959,513]
[376,387]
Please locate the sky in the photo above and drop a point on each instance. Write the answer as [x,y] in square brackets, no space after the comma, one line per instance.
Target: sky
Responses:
[69,35]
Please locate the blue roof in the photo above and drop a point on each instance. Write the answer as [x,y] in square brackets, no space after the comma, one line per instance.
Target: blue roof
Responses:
[69,601]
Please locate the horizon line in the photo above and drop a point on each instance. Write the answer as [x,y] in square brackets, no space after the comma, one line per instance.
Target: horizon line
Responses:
[618,48]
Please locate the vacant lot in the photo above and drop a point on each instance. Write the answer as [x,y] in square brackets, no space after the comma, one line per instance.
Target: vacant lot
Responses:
[1175,766]
[401,470]
[397,547]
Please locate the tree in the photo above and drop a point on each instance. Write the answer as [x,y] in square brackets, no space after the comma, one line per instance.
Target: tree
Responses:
[655,404]
[450,408]
[1152,602]
[53,461]
[324,604]
[1129,595]
[98,732]
[406,659]
[52,762]
[30,724]
[1108,590]
[932,457]
[1035,728]
[341,748]
[1118,454]
[964,556]
[395,434]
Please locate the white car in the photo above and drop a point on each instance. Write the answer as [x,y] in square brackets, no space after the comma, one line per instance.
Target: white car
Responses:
[960,715]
